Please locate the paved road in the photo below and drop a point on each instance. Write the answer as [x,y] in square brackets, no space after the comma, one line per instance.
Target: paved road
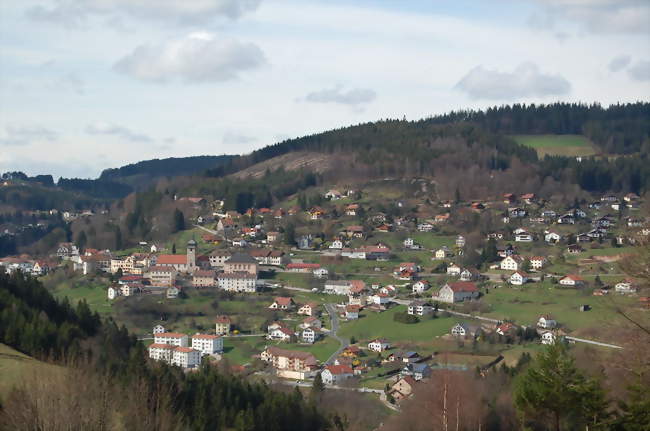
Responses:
[331,309]
[597,343]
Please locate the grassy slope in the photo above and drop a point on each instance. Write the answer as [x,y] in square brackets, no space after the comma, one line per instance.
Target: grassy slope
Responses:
[559,145]
[14,365]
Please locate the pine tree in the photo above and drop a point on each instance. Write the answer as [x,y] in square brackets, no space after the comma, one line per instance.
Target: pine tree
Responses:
[179,221]
[317,388]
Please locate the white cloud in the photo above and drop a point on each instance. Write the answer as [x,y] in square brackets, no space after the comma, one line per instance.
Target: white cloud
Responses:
[619,63]
[197,57]
[352,97]
[595,16]
[76,13]
[119,131]
[25,135]
[640,71]
[525,81]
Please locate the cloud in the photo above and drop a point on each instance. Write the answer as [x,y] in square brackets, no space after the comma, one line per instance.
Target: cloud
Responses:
[119,131]
[25,135]
[230,138]
[640,71]
[76,13]
[525,81]
[197,57]
[595,16]
[619,63]
[353,97]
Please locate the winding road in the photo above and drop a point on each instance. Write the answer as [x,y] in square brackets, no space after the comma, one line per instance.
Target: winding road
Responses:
[334,318]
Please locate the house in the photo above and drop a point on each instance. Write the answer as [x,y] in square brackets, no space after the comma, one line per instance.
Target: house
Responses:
[518,278]
[379,345]
[524,237]
[351,352]
[272,236]
[342,287]
[418,371]
[337,244]
[509,198]
[204,279]
[421,286]
[207,344]
[222,325]
[281,333]
[409,243]
[311,322]
[574,249]
[352,312]
[457,292]
[403,388]
[469,274]
[425,227]
[67,250]
[572,280]
[402,356]
[310,335]
[320,272]
[172,292]
[289,363]
[460,241]
[420,308]
[537,262]
[334,374]
[441,218]
[453,269]
[309,309]
[180,262]
[631,197]
[218,258]
[240,263]
[352,210]
[333,195]
[283,303]
[566,219]
[354,231]
[443,253]
[305,242]
[549,214]
[379,299]
[546,322]
[465,330]
[113,292]
[548,338]
[517,212]
[158,329]
[316,213]
[505,329]
[512,263]
[505,251]
[625,286]
[529,198]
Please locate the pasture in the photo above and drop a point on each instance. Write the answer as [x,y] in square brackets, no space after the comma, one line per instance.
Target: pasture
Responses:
[557,145]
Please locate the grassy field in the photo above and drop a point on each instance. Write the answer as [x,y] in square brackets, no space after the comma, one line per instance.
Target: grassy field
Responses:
[557,145]
[372,325]
[14,365]
[525,305]
[77,288]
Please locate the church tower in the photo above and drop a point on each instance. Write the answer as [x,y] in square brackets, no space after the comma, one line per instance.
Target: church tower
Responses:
[191,255]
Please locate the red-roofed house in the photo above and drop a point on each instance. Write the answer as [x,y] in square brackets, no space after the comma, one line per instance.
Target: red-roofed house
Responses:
[572,280]
[284,303]
[333,374]
[457,292]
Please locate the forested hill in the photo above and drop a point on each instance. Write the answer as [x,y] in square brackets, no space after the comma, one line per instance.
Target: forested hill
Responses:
[144,171]
[617,129]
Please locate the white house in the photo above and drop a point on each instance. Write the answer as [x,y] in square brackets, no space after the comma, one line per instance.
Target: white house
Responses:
[334,374]
[419,308]
[352,312]
[421,286]
[320,272]
[454,269]
[518,278]
[511,263]
[310,335]
[379,345]
[158,329]
[337,244]
[443,253]
[113,292]
[207,344]
[571,280]
[625,286]
[465,330]
[546,322]
[537,262]
[457,292]
[280,333]
[237,282]
[548,338]
[524,237]
[552,237]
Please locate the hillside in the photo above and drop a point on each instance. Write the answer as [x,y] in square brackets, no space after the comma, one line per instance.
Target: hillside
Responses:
[15,365]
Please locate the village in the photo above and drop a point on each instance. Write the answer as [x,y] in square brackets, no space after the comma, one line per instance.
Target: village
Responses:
[365,298]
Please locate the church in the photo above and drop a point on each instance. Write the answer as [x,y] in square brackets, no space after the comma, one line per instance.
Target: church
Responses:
[180,262]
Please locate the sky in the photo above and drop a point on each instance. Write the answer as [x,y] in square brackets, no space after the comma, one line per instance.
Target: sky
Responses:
[87,85]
